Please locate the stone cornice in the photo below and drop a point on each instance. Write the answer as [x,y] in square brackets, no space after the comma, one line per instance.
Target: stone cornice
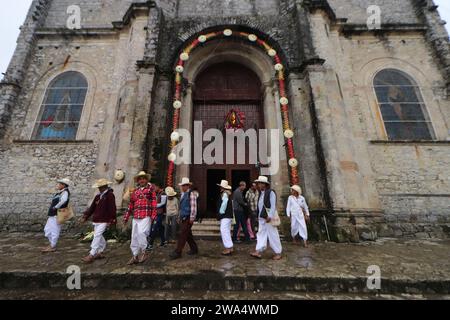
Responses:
[86,32]
[349,29]
[133,11]
[313,5]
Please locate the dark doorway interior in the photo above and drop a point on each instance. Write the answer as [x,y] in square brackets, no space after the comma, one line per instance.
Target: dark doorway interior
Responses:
[214,176]
[238,176]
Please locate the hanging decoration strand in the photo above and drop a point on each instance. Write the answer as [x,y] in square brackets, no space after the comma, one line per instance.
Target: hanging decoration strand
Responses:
[284,102]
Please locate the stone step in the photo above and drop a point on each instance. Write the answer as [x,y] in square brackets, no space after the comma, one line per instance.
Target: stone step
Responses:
[217,281]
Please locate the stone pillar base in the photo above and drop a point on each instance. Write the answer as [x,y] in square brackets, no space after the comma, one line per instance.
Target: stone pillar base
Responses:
[351,226]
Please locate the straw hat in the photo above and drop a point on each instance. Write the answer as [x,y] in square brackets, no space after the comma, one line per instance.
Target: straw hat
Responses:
[224,184]
[65,181]
[262,179]
[101,183]
[185,181]
[170,192]
[142,174]
[297,189]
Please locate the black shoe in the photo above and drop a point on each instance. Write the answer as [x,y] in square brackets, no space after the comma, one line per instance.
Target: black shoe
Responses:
[174,255]
[163,244]
[150,247]
[192,253]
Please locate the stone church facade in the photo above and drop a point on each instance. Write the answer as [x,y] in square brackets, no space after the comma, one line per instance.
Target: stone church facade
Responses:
[369,109]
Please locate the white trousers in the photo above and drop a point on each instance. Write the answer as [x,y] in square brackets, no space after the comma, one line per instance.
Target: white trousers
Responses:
[98,244]
[298,227]
[225,231]
[267,232]
[139,235]
[52,231]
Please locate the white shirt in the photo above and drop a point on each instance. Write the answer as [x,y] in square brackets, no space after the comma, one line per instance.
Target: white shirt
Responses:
[297,206]
[62,199]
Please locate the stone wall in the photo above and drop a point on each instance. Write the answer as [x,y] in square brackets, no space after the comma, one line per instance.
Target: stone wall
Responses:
[392,12]
[28,180]
[414,185]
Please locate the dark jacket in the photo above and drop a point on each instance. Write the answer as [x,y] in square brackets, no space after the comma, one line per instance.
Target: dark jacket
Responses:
[228,211]
[239,204]
[103,210]
[52,211]
[267,204]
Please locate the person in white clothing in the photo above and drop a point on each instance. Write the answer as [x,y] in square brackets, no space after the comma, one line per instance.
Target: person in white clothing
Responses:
[60,200]
[298,211]
[225,216]
[267,203]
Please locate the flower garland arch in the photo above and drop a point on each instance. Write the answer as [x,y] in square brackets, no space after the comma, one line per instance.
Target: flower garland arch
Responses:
[284,102]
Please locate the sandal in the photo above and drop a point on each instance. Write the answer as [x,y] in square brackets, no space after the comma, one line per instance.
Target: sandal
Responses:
[88,259]
[227,252]
[133,261]
[48,250]
[143,257]
[277,257]
[256,255]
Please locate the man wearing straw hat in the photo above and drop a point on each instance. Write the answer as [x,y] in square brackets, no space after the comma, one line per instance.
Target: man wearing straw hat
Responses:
[266,211]
[226,217]
[103,212]
[188,214]
[143,208]
[60,200]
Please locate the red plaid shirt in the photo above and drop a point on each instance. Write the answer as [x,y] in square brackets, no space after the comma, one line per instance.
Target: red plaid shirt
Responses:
[142,203]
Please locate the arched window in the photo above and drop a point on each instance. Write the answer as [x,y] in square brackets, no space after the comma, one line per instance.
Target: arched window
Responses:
[61,110]
[402,107]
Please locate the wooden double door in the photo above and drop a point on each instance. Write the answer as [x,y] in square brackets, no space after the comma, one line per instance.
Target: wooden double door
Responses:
[219,91]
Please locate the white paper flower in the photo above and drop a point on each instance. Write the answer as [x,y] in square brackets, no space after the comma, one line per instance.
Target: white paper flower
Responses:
[279,67]
[175,136]
[284,101]
[177,104]
[288,134]
[184,56]
[227,32]
[252,37]
[179,69]
[172,157]
[272,53]
[293,163]
[202,39]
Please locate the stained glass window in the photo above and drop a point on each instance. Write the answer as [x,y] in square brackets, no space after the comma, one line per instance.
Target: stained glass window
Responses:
[402,107]
[61,110]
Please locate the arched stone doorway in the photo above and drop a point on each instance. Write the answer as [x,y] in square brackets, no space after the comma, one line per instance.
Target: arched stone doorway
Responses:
[253,60]
[225,90]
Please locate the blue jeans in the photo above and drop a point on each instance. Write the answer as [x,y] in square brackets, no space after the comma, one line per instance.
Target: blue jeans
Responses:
[241,219]
[157,229]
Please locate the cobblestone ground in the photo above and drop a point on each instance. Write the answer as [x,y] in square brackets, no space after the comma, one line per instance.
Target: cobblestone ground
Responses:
[409,260]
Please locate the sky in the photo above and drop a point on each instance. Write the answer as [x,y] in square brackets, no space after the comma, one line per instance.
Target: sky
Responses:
[12,15]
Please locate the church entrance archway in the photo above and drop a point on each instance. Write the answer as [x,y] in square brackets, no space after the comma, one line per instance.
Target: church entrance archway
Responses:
[225,93]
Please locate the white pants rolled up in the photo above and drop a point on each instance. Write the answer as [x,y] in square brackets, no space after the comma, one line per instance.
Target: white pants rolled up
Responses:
[267,232]
[139,235]
[298,227]
[225,231]
[52,231]
[98,244]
